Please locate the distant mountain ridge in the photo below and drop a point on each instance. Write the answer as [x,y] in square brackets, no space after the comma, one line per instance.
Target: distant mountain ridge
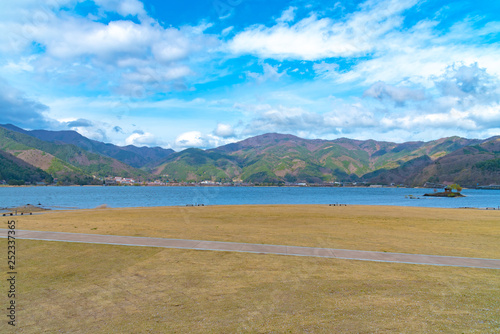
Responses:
[131,155]
[69,163]
[270,158]
[472,165]
[278,158]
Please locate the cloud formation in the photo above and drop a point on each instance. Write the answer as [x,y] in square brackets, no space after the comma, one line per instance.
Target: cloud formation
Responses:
[79,123]
[384,69]
[400,95]
[269,73]
[140,138]
[132,53]
[20,110]
[221,136]
[301,122]
[464,81]
[464,100]
[224,131]
[314,38]
[123,7]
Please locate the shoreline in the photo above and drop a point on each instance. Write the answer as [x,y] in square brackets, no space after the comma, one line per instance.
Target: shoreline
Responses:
[42,210]
[483,187]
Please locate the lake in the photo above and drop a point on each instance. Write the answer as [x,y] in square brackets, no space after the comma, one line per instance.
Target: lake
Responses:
[91,197]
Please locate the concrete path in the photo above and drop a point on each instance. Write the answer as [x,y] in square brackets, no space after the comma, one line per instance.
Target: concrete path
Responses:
[258,248]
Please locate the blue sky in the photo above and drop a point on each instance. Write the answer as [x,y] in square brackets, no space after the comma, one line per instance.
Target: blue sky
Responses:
[205,73]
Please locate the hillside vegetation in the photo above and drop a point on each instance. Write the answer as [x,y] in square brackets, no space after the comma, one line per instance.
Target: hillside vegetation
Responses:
[68,163]
[16,172]
[266,159]
[276,158]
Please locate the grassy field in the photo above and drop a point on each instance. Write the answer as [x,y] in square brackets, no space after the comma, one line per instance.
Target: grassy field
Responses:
[84,288]
[454,232]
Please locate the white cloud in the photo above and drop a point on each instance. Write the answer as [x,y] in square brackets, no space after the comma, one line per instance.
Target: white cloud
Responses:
[93,133]
[224,130]
[95,130]
[400,95]
[422,52]
[227,30]
[150,75]
[416,79]
[123,7]
[282,119]
[287,15]
[326,70]
[23,65]
[486,116]
[314,38]
[123,51]
[350,118]
[410,122]
[392,53]
[269,73]
[464,81]
[190,139]
[168,52]
[75,37]
[464,100]
[180,44]
[142,139]
[199,140]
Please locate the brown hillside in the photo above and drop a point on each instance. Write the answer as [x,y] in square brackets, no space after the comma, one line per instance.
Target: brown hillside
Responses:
[37,158]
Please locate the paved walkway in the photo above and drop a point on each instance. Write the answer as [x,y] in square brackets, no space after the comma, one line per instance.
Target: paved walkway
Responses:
[258,248]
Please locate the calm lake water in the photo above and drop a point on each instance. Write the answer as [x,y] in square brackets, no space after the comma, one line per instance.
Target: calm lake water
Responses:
[91,197]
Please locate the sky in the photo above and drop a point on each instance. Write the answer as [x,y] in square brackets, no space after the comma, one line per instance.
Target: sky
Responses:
[198,73]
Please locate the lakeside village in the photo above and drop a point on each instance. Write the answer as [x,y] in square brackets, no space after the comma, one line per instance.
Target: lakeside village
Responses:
[119,181]
[124,181]
[131,182]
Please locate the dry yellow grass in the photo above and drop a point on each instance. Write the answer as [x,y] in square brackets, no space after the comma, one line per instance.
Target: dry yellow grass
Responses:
[454,232]
[83,288]
[89,288]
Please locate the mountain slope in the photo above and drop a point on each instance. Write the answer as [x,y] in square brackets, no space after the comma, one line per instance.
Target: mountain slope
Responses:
[468,166]
[266,159]
[275,158]
[131,155]
[63,159]
[197,165]
[402,174]
[16,171]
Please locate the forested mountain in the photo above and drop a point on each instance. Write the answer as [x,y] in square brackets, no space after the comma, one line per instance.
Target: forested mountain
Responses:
[66,162]
[275,158]
[469,166]
[131,155]
[15,171]
[266,159]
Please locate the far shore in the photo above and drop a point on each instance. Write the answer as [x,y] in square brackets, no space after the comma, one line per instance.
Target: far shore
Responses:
[225,186]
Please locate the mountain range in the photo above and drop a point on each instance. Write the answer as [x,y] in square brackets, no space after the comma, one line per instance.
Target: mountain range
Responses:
[266,159]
